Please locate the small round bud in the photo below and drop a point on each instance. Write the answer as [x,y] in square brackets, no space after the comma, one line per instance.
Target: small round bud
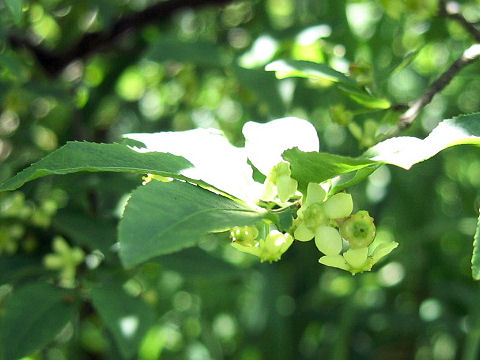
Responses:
[244,235]
[358,230]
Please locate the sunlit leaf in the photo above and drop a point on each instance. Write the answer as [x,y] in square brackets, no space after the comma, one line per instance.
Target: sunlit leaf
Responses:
[265,143]
[306,69]
[406,151]
[318,167]
[215,161]
[161,218]
[126,317]
[33,316]
[82,156]
[365,99]
[476,254]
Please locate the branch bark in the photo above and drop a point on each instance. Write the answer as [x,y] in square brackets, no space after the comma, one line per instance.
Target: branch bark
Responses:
[451,10]
[53,62]
[468,56]
[448,10]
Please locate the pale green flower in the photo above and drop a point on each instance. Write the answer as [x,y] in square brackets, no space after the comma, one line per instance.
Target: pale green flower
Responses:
[311,214]
[279,183]
[328,240]
[360,259]
[269,249]
[315,212]
[64,259]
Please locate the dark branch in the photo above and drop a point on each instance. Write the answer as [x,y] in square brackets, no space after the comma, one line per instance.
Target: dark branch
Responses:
[468,56]
[451,10]
[54,62]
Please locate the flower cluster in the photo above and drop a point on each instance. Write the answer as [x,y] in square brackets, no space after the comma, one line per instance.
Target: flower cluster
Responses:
[347,241]
[65,260]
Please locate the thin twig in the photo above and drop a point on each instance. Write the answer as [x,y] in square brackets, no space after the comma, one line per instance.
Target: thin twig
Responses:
[468,56]
[54,62]
[451,10]
[448,10]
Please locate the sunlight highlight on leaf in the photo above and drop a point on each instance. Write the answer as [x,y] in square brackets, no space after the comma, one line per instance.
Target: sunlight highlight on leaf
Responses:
[406,151]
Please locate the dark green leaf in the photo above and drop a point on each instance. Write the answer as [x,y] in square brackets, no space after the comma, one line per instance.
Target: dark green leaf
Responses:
[83,156]
[15,7]
[85,231]
[263,85]
[127,318]
[197,263]
[476,254]
[162,218]
[307,69]
[318,167]
[18,267]
[198,52]
[33,316]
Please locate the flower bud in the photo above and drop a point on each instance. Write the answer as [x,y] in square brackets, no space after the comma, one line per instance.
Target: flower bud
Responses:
[358,230]
[244,235]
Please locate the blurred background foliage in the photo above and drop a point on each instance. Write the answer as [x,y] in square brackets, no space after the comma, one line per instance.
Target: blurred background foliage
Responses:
[204,67]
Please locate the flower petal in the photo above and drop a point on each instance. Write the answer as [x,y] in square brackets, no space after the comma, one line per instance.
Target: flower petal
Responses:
[356,258]
[339,206]
[328,240]
[303,233]
[336,261]
[315,194]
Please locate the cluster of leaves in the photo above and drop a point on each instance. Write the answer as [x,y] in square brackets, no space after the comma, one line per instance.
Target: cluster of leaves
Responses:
[81,272]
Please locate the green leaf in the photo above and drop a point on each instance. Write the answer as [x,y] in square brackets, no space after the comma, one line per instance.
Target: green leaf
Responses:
[347,180]
[476,253]
[265,143]
[407,60]
[92,233]
[18,267]
[198,52]
[215,161]
[197,263]
[162,218]
[318,167]
[15,7]
[365,99]
[126,317]
[33,316]
[83,156]
[407,151]
[263,85]
[307,69]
